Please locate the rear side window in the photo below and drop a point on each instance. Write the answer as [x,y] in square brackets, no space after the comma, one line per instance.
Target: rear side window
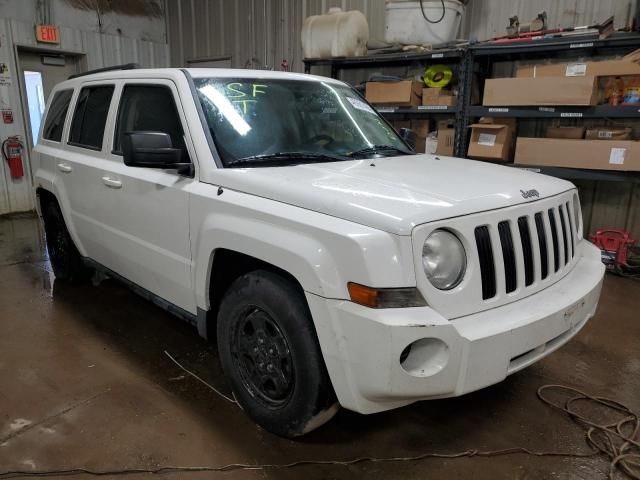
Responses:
[148,108]
[90,117]
[54,124]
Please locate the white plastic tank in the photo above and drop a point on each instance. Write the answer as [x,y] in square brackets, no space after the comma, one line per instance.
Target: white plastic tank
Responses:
[405,23]
[336,34]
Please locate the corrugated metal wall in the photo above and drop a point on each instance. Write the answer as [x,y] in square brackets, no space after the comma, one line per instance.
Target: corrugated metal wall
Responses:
[99,50]
[255,33]
[488,18]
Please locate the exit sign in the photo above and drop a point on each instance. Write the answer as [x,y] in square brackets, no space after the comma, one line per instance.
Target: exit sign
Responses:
[47,34]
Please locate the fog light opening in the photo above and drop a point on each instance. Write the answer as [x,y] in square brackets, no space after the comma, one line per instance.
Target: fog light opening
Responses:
[424,357]
[405,353]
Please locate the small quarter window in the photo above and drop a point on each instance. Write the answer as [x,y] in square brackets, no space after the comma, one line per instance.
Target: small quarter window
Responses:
[90,117]
[54,124]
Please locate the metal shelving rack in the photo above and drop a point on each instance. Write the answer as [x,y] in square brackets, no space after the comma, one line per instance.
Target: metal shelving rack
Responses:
[476,62]
[456,57]
[483,56]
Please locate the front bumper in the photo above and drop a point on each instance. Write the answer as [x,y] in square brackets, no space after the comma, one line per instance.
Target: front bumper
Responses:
[362,346]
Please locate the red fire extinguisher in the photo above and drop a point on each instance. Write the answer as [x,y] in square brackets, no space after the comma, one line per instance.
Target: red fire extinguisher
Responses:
[12,152]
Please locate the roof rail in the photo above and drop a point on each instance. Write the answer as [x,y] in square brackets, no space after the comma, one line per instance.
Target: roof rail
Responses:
[126,66]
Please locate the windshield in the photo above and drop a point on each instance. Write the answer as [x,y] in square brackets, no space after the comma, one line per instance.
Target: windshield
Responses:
[260,122]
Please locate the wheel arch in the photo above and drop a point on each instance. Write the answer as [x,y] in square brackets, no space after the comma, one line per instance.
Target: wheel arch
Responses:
[226,265]
[49,193]
[44,195]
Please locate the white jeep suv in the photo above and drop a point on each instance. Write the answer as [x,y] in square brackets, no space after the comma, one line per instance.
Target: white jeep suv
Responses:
[281,215]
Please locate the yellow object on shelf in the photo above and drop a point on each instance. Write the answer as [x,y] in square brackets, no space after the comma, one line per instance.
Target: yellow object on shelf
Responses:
[438,76]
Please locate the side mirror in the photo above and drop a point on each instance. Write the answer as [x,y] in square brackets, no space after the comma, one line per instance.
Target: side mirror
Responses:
[409,137]
[153,150]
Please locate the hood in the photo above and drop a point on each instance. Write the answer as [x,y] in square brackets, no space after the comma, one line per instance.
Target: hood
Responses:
[394,194]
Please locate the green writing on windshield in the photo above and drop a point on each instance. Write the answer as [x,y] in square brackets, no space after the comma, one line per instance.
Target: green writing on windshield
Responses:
[244,94]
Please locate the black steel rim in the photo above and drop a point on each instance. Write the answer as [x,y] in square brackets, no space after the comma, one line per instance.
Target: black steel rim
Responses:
[263,357]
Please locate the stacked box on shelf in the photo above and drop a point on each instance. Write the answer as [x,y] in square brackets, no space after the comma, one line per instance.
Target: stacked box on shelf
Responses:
[404,93]
[590,154]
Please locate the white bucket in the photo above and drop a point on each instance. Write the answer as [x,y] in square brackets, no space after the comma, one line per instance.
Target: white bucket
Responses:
[336,34]
[406,25]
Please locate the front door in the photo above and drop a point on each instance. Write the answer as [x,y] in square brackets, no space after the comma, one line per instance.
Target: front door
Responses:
[144,212]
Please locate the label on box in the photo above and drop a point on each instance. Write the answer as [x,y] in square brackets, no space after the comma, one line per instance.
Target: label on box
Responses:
[576,70]
[360,105]
[616,157]
[487,139]
[605,134]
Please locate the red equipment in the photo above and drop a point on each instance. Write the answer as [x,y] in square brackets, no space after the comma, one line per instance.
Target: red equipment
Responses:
[12,152]
[614,245]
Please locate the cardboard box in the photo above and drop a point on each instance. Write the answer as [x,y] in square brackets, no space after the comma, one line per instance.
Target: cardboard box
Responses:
[448,101]
[446,137]
[405,93]
[421,143]
[438,96]
[603,133]
[633,56]
[565,132]
[492,139]
[591,154]
[421,127]
[446,141]
[446,123]
[431,95]
[504,92]
[604,68]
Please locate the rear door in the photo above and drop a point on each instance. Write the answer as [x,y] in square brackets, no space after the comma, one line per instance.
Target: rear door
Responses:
[144,211]
[81,162]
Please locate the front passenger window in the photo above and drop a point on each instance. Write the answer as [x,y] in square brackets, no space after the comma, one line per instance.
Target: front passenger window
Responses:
[148,108]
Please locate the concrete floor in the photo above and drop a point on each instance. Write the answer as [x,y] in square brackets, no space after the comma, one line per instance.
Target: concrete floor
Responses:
[84,383]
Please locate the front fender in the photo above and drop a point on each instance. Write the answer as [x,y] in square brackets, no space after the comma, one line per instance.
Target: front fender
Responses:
[322,252]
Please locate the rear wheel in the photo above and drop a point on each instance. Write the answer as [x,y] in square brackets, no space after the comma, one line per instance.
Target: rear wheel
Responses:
[65,259]
[270,352]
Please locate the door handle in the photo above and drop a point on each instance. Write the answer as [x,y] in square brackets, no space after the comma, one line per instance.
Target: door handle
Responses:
[63,167]
[111,182]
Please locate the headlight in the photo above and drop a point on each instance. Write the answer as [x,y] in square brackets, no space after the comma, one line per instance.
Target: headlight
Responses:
[577,216]
[444,259]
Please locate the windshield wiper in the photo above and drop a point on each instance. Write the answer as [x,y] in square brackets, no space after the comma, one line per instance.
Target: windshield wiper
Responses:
[379,149]
[285,158]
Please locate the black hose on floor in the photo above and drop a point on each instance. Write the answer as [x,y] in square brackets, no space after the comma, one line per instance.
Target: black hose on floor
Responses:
[617,439]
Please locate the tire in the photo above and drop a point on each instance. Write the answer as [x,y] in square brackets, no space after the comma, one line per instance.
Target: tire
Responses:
[65,259]
[269,350]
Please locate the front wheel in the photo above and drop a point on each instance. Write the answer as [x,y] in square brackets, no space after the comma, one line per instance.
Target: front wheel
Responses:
[270,352]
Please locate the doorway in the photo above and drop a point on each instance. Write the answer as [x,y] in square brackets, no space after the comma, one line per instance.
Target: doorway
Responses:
[40,72]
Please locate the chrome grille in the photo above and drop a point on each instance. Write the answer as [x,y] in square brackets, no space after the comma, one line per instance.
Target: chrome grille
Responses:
[509,246]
